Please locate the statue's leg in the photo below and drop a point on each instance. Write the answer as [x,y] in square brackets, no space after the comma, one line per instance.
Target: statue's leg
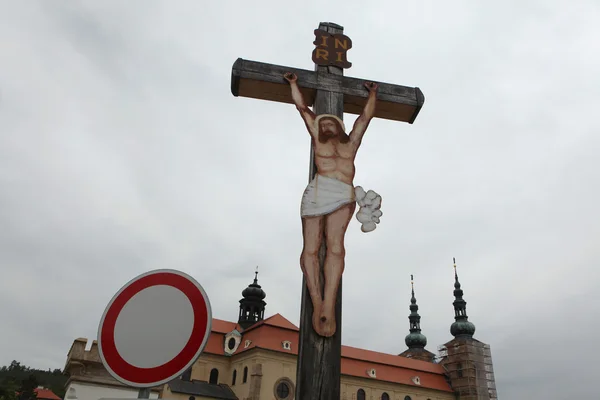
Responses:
[335,230]
[312,231]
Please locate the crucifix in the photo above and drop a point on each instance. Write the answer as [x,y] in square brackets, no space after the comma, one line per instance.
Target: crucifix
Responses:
[329,201]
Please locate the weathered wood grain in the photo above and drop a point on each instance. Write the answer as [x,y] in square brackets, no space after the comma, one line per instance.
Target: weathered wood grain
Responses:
[265,81]
[318,373]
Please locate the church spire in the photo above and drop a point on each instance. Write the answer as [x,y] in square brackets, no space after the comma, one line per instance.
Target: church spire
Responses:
[461,325]
[252,304]
[415,339]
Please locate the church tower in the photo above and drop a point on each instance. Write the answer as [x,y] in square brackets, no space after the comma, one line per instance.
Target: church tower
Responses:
[415,340]
[468,361]
[252,304]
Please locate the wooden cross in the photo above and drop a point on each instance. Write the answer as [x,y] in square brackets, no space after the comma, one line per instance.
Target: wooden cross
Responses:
[328,92]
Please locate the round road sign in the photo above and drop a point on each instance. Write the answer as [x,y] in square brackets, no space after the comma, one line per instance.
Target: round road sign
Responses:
[154,328]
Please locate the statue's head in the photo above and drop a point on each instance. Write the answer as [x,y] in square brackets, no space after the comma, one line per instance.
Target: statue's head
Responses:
[329,127]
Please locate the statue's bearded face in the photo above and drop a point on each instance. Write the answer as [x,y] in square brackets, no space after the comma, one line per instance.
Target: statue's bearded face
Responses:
[330,128]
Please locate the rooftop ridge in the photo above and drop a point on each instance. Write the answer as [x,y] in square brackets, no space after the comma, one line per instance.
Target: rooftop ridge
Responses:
[393,360]
[372,356]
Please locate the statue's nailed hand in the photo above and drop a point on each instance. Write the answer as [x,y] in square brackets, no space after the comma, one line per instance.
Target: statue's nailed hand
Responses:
[371,86]
[290,77]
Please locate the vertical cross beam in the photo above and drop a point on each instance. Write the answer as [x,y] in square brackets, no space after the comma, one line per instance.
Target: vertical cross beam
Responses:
[319,358]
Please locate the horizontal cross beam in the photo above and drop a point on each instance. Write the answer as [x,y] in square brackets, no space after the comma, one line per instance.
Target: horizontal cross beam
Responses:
[265,81]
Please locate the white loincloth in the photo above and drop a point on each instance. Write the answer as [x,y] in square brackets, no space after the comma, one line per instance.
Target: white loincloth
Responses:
[324,195]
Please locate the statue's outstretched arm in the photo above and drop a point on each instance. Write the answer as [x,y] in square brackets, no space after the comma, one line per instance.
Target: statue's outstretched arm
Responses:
[362,122]
[307,115]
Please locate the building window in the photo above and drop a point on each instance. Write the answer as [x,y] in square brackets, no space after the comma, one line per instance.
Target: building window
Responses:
[360,395]
[187,375]
[283,389]
[407,398]
[233,378]
[214,376]
[231,344]
[459,371]
[245,375]
[385,396]
[192,398]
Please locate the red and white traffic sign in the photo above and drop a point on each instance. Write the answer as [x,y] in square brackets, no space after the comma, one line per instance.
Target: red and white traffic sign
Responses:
[154,328]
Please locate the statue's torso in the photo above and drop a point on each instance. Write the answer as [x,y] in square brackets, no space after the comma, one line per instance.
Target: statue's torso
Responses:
[335,160]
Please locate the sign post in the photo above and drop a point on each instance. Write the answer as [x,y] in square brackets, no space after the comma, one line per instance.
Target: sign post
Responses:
[330,198]
[154,329]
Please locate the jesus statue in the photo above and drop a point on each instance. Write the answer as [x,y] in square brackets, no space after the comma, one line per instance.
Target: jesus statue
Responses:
[329,201]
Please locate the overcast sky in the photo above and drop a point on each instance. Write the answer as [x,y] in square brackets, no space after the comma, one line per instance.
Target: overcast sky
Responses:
[122,150]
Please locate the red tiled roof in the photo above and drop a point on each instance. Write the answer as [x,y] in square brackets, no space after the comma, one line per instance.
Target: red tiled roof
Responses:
[394,374]
[220,326]
[46,394]
[270,334]
[215,342]
[276,320]
[390,359]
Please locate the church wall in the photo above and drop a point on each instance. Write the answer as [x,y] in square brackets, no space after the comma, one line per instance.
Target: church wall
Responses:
[168,395]
[265,369]
[374,389]
[275,366]
[239,363]
[88,391]
[202,367]
[89,380]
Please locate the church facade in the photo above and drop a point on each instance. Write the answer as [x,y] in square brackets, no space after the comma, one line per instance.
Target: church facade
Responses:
[254,358]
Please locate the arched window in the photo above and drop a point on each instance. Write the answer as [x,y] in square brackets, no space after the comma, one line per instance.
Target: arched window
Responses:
[282,390]
[385,396]
[407,398]
[233,378]
[245,375]
[360,395]
[214,376]
[187,375]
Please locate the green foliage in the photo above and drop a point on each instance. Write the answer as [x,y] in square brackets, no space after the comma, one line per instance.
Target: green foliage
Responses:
[27,389]
[16,378]
[8,388]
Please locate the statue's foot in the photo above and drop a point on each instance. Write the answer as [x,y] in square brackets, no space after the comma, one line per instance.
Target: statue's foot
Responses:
[316,318]
[327,326]
[327,321]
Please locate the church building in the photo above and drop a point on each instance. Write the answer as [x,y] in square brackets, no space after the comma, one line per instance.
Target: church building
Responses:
[254,358]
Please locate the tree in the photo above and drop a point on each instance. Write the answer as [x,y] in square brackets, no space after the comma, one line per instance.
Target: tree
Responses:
[8,389]
[11,377]
[27,389]
[16,366]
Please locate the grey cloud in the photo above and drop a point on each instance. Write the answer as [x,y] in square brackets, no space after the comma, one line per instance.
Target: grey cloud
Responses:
[122,150]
